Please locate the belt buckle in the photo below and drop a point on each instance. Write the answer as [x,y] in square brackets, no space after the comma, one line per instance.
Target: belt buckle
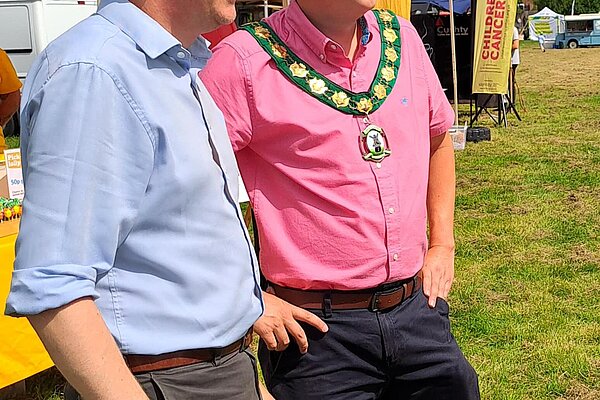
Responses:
[374,305]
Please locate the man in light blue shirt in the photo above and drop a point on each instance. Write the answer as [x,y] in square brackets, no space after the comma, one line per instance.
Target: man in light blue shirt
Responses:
[131,210]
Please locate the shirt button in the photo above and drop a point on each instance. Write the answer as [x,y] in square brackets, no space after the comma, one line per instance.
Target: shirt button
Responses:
[395,256]
[378,165]
[366,120]
[354,74]
[333,47]
[322,57]
[180,54]
[391,210]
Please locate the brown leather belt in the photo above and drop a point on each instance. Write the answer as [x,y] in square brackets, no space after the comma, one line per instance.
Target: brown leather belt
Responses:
[377,299]
[146,363]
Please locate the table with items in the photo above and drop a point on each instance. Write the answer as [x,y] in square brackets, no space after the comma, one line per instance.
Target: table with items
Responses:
[21,352]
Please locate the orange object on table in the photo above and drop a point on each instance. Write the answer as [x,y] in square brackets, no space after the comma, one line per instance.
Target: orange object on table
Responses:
[21,351]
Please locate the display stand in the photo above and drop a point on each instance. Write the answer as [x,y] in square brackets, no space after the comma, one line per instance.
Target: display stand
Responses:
[502,104]
[483,103]
[512,94]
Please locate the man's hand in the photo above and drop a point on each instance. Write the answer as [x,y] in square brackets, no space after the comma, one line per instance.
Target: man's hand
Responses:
[279,319]
[438,273]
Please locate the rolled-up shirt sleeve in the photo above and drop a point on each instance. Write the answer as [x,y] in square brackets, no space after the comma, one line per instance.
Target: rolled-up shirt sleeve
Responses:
[87,159]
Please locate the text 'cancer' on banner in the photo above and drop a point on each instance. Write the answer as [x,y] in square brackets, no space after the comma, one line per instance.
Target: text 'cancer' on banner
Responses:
[494,24]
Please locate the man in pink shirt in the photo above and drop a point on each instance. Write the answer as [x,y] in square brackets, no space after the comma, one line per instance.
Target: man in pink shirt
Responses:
[339,125]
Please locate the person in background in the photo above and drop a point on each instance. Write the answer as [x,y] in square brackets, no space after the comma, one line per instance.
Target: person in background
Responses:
[10,94]
[133,263]
[541,40]
[340,127]
[515,61]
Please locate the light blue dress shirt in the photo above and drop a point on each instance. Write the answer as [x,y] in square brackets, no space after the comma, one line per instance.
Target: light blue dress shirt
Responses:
[131,190]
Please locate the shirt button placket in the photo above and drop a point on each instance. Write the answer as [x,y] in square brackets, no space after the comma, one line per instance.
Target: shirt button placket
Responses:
[386,187]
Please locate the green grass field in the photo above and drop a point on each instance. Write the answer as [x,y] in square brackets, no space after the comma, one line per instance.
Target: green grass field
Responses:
[526,300]
[526,303]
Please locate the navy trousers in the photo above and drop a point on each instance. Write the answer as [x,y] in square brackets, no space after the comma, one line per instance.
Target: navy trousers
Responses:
[406,353]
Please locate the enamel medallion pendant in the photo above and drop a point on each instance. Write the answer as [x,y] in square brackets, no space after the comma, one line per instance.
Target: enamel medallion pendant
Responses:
[374,144]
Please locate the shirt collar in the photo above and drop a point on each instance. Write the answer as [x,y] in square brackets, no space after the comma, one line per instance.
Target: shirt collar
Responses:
[148,34]
[314,38]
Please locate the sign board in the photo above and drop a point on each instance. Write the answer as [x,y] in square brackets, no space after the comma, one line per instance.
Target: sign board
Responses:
[14,174]
[494,22]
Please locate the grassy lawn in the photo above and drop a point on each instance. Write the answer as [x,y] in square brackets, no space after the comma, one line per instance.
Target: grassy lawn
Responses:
[526,302]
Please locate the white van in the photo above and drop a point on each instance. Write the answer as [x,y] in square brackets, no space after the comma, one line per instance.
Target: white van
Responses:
[27,26]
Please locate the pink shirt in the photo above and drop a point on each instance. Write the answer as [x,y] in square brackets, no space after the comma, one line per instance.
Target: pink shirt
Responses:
[328,219]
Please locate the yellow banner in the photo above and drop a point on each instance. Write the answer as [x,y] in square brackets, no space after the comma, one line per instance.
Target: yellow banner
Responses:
[21,352]
[494,24]
[400,7]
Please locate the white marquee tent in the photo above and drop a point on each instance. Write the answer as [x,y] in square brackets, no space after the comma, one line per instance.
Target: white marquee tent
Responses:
[547,22]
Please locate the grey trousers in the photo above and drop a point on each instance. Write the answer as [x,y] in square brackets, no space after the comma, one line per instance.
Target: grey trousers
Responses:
[234,377]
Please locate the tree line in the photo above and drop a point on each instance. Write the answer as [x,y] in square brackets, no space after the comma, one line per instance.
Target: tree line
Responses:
[564,6]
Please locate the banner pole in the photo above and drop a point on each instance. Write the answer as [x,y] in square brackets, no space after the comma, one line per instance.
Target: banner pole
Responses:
[453,48]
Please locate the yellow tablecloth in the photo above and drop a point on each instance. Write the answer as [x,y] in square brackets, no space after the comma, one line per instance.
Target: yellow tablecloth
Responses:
[21,352]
